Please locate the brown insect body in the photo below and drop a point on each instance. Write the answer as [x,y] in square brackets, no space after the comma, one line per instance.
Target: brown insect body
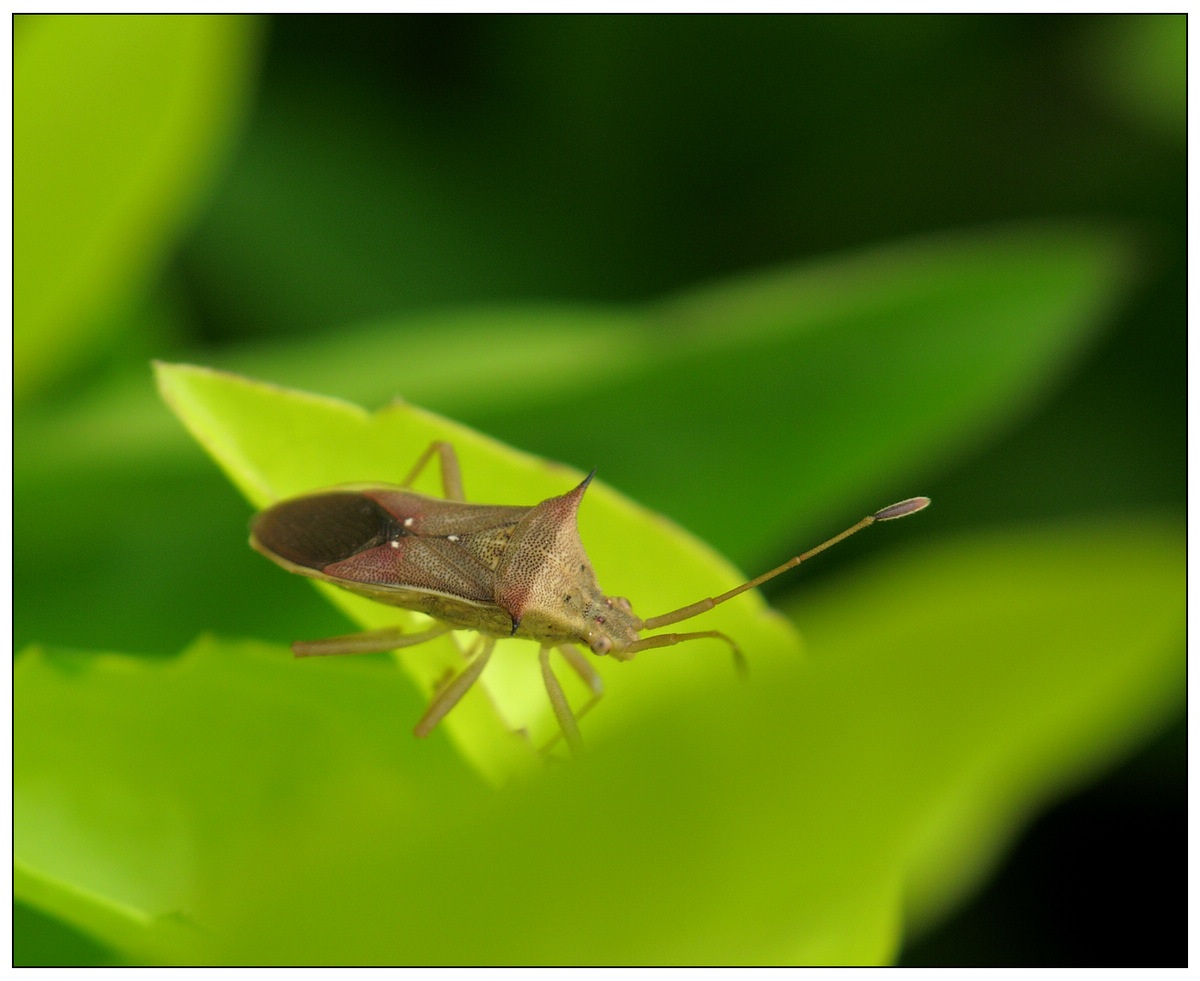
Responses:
[504,571]
[499,570]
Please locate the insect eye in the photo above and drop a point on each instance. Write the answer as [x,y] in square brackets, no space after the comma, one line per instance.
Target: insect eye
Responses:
[601,645]
[621,603]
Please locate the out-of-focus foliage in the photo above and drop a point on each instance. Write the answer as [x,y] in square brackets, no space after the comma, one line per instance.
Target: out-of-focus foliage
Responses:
[117,122]
[306,824]
[766,274]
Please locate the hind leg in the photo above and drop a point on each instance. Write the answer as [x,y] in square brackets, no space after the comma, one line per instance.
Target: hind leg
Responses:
[452,487]
[367,642]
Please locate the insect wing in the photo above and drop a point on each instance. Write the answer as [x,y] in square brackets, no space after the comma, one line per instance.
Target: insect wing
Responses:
[312,532]
[390,541]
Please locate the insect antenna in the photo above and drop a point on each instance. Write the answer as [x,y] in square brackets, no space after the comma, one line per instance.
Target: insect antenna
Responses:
[890,513]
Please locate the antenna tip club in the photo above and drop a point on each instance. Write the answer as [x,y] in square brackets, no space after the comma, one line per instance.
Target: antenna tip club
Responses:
[902,510]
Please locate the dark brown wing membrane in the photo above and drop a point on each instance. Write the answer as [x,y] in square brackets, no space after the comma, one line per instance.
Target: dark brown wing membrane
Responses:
[321,529]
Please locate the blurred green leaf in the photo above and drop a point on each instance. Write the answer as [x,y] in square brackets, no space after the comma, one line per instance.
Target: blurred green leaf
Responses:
[118,122]
[135,932]
[276,443]
[376,182]
[759,409]
[1032,660]
[213,747]
[286,810]
[1138,64]
[41,940]
[760,414]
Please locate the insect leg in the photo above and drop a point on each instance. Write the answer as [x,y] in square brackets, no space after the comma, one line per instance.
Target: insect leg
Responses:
[367,642]
[591,677]
[562,711]
[452,487]
[450,696]
[670,640]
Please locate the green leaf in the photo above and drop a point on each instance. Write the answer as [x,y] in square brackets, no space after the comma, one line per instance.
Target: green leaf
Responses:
[763,408]
[982,678]
[118,122]
[761,414]
[138,933]
[275,443]
[755,413]
[41,940]
[131,774]
[785,823]
[1138,65]
[284,812]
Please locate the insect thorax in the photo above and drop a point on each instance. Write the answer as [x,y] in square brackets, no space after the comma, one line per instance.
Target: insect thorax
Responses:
[545,580]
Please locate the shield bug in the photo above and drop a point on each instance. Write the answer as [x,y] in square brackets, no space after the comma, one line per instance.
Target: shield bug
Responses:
[499,570]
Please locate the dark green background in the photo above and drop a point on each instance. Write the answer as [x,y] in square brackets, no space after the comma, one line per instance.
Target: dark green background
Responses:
[396,165]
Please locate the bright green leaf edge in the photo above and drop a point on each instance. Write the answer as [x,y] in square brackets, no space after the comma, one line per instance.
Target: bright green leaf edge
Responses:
[275,443]
[137,934]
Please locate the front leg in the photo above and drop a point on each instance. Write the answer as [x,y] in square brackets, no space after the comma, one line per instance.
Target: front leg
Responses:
[670,640]
[562,711]
[591,677]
